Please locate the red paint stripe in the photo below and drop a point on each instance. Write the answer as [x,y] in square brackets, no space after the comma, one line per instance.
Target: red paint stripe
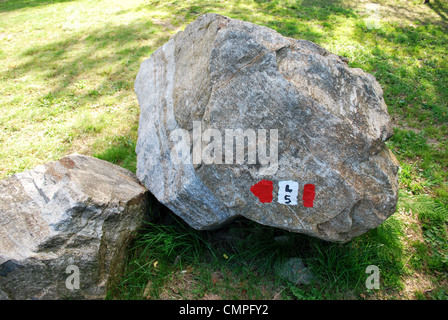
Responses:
[263,191]
[308,195]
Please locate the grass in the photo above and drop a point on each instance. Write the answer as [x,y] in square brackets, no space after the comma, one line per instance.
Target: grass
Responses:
[66,85]
[241,261]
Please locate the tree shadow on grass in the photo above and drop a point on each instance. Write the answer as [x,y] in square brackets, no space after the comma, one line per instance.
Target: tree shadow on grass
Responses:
[55,62]
[298,19]
[292,19]
[12,5]
[410,84]
[440,9]
[108,58]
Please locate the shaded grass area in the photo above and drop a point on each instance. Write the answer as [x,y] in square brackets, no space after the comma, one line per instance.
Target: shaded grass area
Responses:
[66,85]
[170,260]
[242,261]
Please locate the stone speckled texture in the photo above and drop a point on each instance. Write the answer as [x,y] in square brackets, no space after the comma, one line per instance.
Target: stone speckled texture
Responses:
[77,211]
[332,123]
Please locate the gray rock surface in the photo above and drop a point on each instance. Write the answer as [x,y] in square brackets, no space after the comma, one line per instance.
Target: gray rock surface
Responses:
[331,120]
[79,211]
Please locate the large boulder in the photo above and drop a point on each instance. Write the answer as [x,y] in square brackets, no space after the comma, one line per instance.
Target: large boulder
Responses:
[65,226]
[309,152]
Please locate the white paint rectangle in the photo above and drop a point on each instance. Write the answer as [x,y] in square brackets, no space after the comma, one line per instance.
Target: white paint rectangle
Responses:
[288,192]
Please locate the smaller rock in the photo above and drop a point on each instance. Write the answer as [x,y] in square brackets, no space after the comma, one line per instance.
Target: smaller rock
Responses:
[295,271]
[65,226]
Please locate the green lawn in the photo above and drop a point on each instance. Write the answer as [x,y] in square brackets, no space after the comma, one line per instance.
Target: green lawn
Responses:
[67,70]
